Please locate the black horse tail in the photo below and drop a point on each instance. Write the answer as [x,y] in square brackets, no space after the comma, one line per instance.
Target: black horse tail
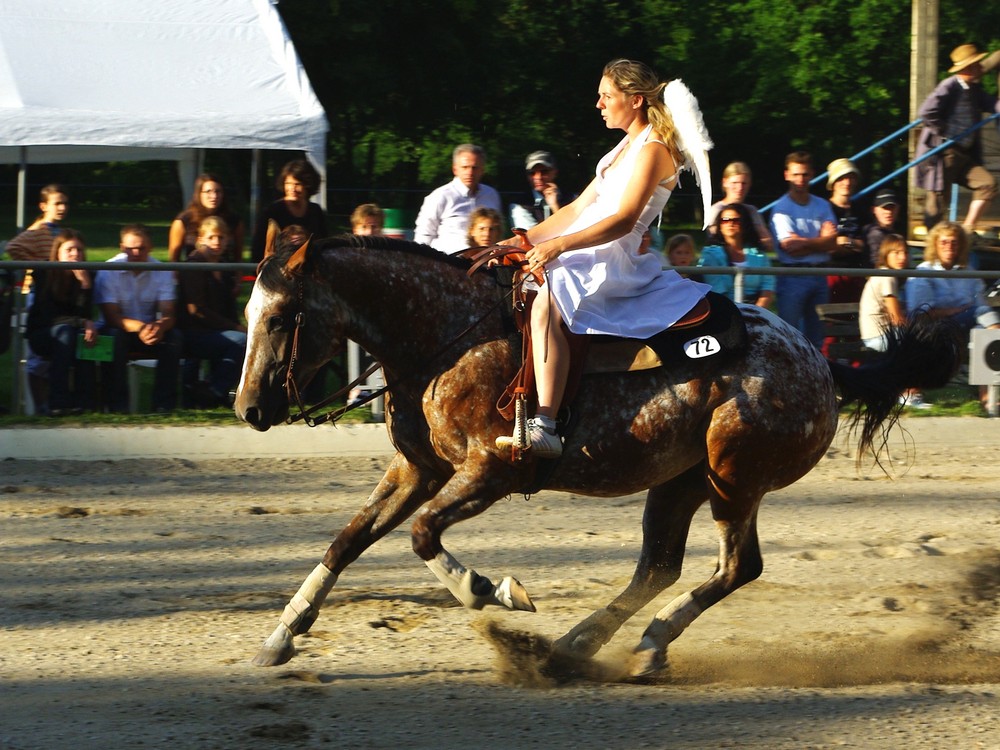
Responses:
[923,353]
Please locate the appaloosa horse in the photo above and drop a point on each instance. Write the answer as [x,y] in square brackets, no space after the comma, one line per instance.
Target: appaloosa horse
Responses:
[685,434]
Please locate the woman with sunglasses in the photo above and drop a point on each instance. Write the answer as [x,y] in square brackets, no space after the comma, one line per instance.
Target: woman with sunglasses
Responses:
[735,243]
[207,199]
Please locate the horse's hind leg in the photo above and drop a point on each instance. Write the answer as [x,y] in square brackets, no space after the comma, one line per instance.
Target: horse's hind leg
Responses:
[400,492]
[739,563]
[665,524]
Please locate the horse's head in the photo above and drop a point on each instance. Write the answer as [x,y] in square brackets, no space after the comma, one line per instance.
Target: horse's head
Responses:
[282,333]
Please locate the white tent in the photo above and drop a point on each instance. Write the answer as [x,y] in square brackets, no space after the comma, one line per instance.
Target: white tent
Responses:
[102,80]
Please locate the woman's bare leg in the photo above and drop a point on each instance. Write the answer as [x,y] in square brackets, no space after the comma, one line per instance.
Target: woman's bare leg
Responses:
[550,354]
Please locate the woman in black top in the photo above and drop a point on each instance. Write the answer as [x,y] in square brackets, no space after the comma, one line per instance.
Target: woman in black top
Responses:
[297,182]
[59,315]
[209,320]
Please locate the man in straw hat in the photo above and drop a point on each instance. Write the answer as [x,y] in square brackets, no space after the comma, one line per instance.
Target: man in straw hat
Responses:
[955,105]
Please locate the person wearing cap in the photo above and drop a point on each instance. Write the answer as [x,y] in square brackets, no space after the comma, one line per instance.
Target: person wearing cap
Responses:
[885,209]
[955,105]
[804,228]
[843,180]
[544,197]
[443,220]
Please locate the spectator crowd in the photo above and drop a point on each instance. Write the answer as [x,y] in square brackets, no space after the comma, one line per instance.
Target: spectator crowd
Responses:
[83,328]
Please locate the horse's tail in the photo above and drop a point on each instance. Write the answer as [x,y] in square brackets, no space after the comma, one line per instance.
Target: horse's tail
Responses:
[923,353]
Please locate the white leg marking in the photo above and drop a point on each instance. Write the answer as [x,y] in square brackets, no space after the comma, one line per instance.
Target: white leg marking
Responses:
[670,622]
[475,591]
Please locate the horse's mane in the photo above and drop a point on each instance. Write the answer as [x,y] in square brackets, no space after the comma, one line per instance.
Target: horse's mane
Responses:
[270,273]
[391,244]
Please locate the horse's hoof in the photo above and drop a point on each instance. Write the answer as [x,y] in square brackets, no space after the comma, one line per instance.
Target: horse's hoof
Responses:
[589,636]
[267,657]
[648,665]
[511,594]
[278,649]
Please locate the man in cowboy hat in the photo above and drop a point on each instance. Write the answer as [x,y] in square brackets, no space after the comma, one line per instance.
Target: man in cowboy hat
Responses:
[955,105]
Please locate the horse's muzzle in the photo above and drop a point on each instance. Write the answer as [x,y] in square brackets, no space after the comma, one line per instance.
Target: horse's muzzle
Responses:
[262,408]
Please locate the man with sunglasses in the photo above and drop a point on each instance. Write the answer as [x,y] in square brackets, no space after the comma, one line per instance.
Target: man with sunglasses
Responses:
[138,308]
[544,197]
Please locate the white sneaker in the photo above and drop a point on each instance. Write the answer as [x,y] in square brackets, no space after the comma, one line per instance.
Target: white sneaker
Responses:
[915,401]
[542,442]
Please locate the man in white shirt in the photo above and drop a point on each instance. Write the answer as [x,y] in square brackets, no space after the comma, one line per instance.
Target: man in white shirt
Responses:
[443,221]
[138,309]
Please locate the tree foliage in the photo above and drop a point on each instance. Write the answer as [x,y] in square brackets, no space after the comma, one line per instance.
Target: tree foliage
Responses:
[404,81]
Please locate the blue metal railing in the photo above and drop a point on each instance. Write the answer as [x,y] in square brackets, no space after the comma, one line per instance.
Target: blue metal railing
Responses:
[929,154]
[905,168]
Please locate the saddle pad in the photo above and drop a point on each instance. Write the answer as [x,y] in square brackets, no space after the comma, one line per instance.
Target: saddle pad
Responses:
[722,335]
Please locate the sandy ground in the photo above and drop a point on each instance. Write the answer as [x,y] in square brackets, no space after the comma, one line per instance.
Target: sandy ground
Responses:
[134,593]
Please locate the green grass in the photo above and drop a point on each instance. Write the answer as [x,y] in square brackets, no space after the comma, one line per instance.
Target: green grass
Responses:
[954,400]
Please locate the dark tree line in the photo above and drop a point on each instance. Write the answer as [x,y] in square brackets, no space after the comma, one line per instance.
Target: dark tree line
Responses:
[403,81]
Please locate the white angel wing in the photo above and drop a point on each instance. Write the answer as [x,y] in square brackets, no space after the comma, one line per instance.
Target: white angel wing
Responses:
[692,136]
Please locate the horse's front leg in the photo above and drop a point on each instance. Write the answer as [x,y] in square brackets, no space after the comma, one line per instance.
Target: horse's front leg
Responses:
[468,493]
[402,490]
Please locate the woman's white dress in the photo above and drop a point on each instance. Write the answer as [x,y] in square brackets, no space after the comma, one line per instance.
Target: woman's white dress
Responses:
[610,288]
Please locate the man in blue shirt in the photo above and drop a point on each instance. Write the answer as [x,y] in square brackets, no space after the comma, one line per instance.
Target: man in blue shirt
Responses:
[804,227]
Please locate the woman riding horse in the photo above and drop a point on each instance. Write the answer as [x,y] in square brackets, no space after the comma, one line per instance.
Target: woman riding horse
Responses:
[596,279]
[723,431]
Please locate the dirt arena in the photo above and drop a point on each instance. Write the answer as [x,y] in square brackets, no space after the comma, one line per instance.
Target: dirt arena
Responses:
[134,593]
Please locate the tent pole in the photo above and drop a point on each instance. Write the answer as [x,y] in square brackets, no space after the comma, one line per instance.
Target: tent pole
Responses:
[22,186]
[255,165]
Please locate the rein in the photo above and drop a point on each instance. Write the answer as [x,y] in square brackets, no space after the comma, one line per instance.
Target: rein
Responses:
[307,413]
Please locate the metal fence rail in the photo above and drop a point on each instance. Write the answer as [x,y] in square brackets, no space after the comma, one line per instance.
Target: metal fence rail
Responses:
[248,269]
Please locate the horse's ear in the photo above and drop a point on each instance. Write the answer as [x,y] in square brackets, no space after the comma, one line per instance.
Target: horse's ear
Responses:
[300,258]
[272,237]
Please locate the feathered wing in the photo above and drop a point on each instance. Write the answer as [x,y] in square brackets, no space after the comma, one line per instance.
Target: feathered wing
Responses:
[692,137]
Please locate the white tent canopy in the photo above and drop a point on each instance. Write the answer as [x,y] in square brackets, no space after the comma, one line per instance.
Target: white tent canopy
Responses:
[103,80]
